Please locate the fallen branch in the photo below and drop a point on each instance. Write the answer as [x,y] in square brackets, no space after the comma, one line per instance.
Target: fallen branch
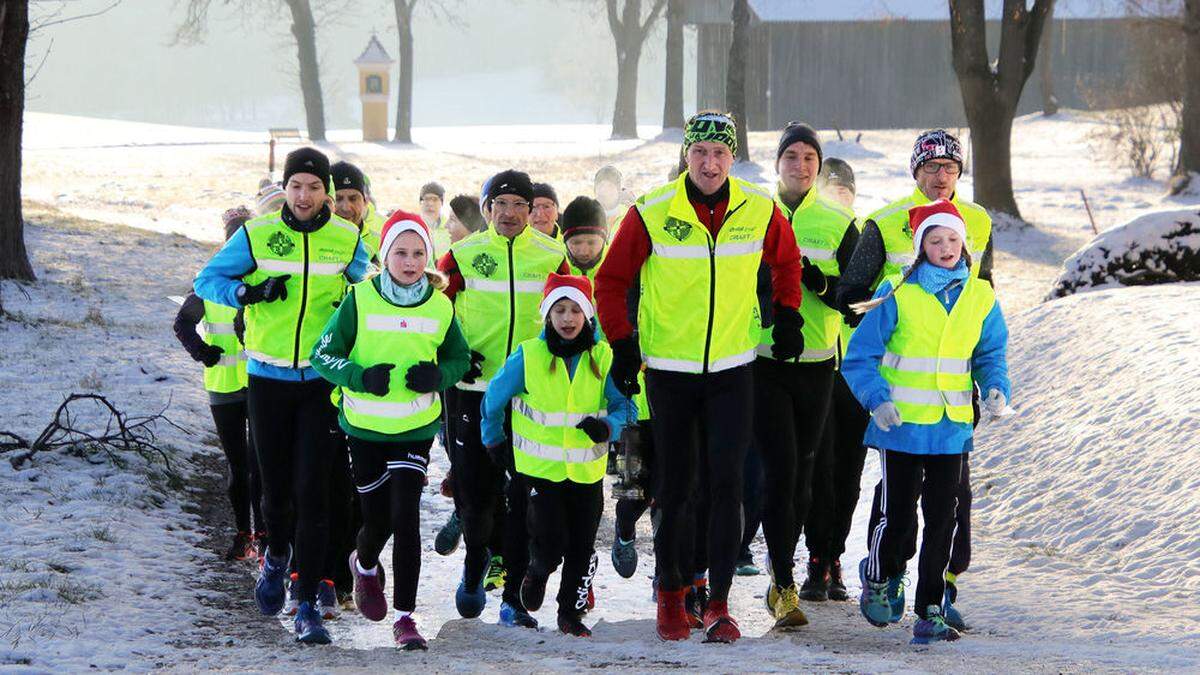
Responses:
[121,434]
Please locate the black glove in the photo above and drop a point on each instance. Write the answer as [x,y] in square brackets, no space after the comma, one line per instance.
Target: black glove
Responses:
[595,428]
[847,297]
[812,276]
[789,341]
[377,379]
[268,291]
[502,456]
[626,364]
[209,355]
[424,377]
[476,368]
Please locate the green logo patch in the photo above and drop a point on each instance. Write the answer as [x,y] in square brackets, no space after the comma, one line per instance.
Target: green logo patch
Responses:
[281,244]
[484,264]
[678,229]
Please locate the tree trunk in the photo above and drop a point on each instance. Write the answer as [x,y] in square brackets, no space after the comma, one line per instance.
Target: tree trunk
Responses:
[990,93]
[305,30]
[1189,137]
[673,95]
[625,108]
[1049,100]
[14,30]
[735,77]
[404,86]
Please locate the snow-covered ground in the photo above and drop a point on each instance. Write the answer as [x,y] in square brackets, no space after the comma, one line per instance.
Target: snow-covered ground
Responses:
[1084,544]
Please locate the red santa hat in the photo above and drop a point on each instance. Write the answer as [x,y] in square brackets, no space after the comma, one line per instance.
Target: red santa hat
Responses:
[571,286]
[399,223]
[941,213]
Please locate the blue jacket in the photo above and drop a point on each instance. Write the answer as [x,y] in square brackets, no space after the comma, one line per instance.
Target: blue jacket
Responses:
[509,382]
[989,366]
[221,278]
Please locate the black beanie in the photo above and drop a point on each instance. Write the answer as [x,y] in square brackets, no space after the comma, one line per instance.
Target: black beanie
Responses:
[306,160]
[837,172]
[433,188]
[510,182]
[584,215]
[545,190]
[346,176]
[799,131]
[466,209]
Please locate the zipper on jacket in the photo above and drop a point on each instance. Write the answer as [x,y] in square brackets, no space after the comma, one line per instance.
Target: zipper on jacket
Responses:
[712,278]
[512,299]
[303,305]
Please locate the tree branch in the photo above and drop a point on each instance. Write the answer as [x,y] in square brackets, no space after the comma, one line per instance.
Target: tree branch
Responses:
[47,24]
[654,12]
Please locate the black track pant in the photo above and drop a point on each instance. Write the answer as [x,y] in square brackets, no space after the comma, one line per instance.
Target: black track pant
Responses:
[683,446]
[628,511]
[345,516]
[837,475]
[290,422]
[563,518]
[389,478]
[479,482]
[752,499]
[934,479]
[791,404]
[245,488]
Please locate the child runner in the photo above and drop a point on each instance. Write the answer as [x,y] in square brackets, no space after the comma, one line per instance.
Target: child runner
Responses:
[935,332]
[562,388]
[392,345]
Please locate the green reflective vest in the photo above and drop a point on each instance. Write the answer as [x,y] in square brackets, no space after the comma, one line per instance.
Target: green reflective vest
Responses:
[698,312]
[372,231]
[546,443]
[229,375]
[282,333]
[403,336]
[928,358]
[892,221]
[847,331]
[498,307]
[819,225]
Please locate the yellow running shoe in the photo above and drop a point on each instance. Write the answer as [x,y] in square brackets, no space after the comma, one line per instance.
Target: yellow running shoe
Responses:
[787,609]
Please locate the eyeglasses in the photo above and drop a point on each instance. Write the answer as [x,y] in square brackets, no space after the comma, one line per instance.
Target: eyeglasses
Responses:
[543,207]
[505,205]
[931,168]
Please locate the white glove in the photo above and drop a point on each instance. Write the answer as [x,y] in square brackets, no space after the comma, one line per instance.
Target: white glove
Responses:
[995,404]
[886,416]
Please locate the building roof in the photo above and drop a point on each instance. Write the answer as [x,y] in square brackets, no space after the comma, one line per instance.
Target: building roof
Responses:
[792,11]
[374,53]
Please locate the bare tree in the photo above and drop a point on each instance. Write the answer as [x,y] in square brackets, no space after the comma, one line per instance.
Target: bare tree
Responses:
[304,29]
[735,77]
[1049,100]
[1189,136]
[990,92]
[673,94]
[629,32]
[404,86]
[14,32]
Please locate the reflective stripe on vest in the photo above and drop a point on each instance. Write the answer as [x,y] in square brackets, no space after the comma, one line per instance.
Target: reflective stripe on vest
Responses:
[403,336]
[503,279]
[546,442]
[697,311]
[819,226]
[283,332]
[927,363]
[229,374]
[892,221]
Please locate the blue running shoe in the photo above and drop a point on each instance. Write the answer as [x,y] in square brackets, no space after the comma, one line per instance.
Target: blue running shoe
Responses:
[470,602]
[269,591]
[950,613]
[932,628]
[516,617]
[873,603]
[448,537]
[624,557]
[895,591]
[309,628]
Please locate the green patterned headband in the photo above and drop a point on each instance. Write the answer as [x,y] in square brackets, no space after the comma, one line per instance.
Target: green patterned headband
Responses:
[711,126]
